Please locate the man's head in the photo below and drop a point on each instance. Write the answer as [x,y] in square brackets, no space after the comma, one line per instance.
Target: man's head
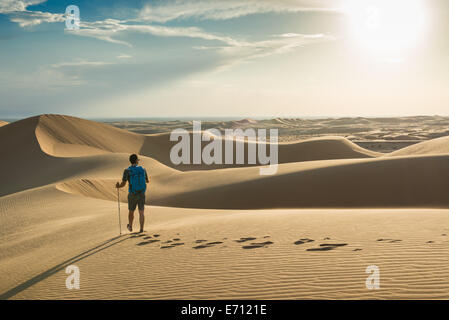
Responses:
[133,159]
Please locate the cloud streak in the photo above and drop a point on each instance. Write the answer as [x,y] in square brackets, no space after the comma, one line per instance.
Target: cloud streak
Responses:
[231,50]
[81,63]
[17,12]
[280,44]
[229,9]
[109,29]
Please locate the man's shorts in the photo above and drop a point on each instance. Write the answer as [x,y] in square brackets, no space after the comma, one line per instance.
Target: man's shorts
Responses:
[136,200]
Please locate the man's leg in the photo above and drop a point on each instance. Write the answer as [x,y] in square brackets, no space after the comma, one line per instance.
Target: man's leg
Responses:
[141,219]
[130,218]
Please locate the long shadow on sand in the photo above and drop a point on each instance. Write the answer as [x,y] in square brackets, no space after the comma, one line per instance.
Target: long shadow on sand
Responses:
[42,276]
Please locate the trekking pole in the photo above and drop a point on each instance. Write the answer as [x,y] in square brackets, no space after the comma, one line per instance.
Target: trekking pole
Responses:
[118,202]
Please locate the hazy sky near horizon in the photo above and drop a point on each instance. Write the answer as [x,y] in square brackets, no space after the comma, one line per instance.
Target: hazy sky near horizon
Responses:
[169,58]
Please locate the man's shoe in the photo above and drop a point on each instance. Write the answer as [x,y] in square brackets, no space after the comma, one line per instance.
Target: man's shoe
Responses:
[129,228]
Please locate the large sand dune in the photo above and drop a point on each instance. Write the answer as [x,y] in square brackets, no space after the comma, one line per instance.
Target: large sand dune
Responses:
[399,182]
[57,209]
[64,136]
[378,182]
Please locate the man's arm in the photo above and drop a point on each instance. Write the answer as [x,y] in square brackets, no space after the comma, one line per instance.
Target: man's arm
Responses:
[120,184]
[124,180]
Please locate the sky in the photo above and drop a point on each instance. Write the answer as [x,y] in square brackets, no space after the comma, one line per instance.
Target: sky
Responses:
[230,58]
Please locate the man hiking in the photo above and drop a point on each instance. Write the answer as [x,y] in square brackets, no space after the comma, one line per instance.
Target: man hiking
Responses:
[137,178]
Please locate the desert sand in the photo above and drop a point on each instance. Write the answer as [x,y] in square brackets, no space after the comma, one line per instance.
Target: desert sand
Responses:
[223,231]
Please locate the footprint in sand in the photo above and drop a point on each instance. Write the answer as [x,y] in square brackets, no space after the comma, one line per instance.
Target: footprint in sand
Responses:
[302,241]
[327,246]
[168,241]
[176,239]
[143,243]
[200,247]
[156,235]
[321,249]
[256,245]
[149,237]
[430,241]
[389,240]
[172,245]
[357,249]
[137,235]
[245,239]
[327,238]
[200,241]
[207,245]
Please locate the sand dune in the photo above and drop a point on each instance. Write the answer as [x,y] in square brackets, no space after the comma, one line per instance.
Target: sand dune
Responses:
[377,134]
[22,148]
[434,146]
[218,254]
[401,182]
[60,209]
[381,182]
[3,123]
[64,136]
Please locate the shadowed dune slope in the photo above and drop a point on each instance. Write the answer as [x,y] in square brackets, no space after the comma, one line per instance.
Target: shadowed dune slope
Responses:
[158,146]
[434,146]
[392,182]
[24,165]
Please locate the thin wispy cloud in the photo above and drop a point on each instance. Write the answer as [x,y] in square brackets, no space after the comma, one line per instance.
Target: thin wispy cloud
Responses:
[281,44]
[221,10]
[105,30]
[7,6]
[17,12]
[81,63]
[111,29]
[124,56]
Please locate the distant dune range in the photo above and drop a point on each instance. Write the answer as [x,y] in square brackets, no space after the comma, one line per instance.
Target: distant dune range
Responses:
[309,231]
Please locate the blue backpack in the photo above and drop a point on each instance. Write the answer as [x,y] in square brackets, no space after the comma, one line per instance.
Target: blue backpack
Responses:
[137,182]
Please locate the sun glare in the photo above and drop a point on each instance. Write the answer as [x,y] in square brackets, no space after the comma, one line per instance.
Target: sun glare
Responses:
[387,29]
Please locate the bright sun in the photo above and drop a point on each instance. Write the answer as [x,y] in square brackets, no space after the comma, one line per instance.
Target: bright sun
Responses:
[387,29]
